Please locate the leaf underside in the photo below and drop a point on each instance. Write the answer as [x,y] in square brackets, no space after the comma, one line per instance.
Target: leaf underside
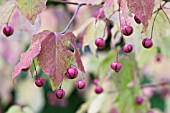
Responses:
[27,57]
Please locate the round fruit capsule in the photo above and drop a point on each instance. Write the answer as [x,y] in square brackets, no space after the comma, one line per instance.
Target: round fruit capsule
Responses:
[127,48]
[137,20]
[40,82]
[98,89]
[116,66]
[147,43]
[80,84]
[96,81]
[71,73]
[127,30]
[100,43]
[139,100]
[8,31]
[60,93]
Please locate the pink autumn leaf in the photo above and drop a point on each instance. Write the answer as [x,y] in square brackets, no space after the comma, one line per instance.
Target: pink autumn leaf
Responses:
[123,7]
[47,56]
[76,51]
[55,57]
[143,9]
[64,56]
[27,57]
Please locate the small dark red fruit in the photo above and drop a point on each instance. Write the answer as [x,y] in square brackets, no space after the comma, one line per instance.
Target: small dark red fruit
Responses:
[137,20]
[100,43]
[158,57]
[60,93]
[72,73]
[147,43]
[127,48]
[96,81]
[139,100]
[127,30]
[8,31]
[98,89]
[80,84]
[26,69]
[40,82]
[116,66]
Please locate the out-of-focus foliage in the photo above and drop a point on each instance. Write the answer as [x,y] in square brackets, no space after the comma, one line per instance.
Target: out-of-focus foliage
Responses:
[141,67]
[18,109]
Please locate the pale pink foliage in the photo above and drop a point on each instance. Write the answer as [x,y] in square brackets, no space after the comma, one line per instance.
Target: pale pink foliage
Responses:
[53,55]
[64,56]
[47,56]
[27,57]
[143,9]
[123,6]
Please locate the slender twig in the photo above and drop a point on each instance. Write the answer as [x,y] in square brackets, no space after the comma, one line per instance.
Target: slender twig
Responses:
[107,21]
[35,68]
[166,15]
[73,17]
[160,7]
[79,4]
[60,85]
[165,8]
[154,23]
[117,55]
[10,15]
[66,2]
[155,85]
[157,11]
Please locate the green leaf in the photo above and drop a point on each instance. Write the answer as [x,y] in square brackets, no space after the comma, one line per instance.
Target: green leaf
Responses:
[145,55]
[33,65]
[158,102]
[2,1]
[165,45]
[104,66]
[31,8]
[126,95]
[160,34]
[93,31]
[97,103]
